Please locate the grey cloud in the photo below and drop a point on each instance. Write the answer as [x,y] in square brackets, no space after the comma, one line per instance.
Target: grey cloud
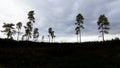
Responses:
[60,14]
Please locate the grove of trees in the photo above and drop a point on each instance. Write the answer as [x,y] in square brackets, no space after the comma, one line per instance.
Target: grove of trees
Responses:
[9,30]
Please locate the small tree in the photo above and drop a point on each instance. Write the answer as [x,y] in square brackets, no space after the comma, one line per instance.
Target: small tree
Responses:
[9,30]
[36,34]
[103,25]
[117,38]
[51,34]
[43,38]
[18,26]
[79,19]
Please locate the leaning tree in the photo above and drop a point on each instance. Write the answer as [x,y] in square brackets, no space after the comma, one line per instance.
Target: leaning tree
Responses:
[9,30]
[103,25]
[29,25]
[79,24]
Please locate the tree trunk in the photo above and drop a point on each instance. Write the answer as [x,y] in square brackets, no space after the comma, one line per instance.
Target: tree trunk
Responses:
[52,39]
[7,37]
[80,35]
[77,38]
[18,36]
[49,39]
[103,34]
[27,38]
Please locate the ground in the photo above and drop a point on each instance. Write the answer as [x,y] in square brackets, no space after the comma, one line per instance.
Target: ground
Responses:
[21,54]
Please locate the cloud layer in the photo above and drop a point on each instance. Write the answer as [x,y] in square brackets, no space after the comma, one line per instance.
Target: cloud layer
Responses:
[61,14]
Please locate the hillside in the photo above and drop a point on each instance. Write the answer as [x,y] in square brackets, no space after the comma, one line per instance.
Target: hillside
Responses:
[24,54]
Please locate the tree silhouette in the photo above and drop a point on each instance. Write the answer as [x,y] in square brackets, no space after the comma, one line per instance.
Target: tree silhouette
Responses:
[79,19]
[18,26]
[35,34]
[28,27]
[51,34]
[103,24]
[28,30]
[9,30]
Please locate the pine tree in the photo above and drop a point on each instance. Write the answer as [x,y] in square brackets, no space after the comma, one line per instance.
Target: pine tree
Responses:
[103,25]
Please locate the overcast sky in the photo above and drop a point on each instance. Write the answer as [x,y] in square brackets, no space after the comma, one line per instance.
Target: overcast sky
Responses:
[61,14]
